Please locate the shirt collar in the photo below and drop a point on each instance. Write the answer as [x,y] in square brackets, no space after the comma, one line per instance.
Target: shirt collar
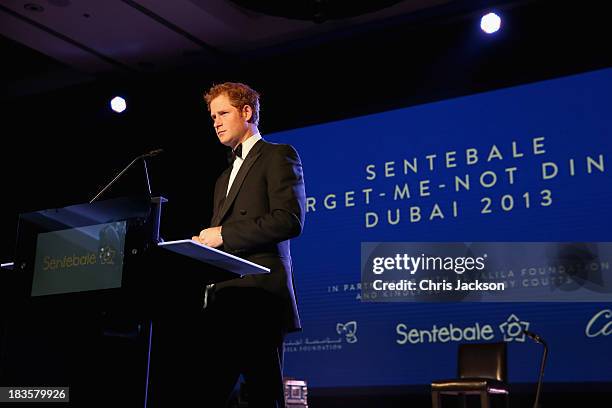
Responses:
[248,144]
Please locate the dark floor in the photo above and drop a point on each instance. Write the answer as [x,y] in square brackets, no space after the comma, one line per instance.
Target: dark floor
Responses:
[574,395]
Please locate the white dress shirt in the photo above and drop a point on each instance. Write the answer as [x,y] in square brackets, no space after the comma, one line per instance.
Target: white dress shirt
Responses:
[247,145]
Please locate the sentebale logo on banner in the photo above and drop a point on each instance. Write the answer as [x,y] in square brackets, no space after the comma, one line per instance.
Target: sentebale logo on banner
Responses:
[511,330]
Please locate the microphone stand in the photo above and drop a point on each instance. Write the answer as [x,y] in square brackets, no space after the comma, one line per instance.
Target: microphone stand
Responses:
[152,153]
[144,162]
[541,341]
[115,179]
[541,376]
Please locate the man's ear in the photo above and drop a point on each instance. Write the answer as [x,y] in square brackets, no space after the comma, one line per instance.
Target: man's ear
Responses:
[247,112]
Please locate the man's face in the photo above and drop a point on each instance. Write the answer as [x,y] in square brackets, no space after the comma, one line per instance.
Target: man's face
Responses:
[231,123]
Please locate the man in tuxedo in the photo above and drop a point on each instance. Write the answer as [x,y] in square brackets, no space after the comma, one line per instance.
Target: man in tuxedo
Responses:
[259,205]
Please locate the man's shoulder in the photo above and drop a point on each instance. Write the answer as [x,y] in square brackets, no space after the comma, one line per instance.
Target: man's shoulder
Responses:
[279,148]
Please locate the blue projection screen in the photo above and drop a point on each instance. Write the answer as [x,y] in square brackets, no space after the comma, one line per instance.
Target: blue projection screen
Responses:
[528,163]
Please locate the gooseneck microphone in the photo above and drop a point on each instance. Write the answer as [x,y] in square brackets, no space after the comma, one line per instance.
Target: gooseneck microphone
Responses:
[538,339]
[534,337]
[152,153]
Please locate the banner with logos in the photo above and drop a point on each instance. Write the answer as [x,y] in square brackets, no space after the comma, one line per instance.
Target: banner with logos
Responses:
[524,164]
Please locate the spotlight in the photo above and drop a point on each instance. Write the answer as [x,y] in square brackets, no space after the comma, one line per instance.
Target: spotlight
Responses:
[118,104]
[490,23]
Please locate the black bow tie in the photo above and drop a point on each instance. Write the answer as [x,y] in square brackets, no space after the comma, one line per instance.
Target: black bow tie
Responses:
[237,152]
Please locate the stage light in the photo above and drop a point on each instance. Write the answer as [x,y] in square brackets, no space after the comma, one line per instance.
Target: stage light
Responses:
[118,104]
[490,23]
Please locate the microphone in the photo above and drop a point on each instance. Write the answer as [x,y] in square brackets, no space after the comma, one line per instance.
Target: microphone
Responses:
[534,337]
[152,153]
[538,339]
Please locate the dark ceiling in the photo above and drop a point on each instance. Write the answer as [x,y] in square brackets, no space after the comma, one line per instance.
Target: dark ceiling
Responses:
[49,44]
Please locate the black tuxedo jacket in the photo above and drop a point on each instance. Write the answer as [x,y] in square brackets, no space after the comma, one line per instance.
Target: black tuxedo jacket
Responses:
[264,209]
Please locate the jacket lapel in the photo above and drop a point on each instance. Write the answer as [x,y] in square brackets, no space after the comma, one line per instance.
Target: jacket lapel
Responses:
[220,195]
[242,173]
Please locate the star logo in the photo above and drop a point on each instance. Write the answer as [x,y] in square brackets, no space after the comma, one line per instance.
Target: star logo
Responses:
[107,255]
[512,329]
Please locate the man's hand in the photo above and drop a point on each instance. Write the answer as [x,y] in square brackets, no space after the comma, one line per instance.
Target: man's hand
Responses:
[210,237]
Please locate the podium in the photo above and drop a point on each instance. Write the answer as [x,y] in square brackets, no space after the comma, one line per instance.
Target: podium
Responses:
[91,280]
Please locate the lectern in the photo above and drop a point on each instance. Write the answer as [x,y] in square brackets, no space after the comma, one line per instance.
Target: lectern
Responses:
[89,282]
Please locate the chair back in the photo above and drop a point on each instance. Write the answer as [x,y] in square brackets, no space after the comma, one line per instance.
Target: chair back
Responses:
[483,360]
